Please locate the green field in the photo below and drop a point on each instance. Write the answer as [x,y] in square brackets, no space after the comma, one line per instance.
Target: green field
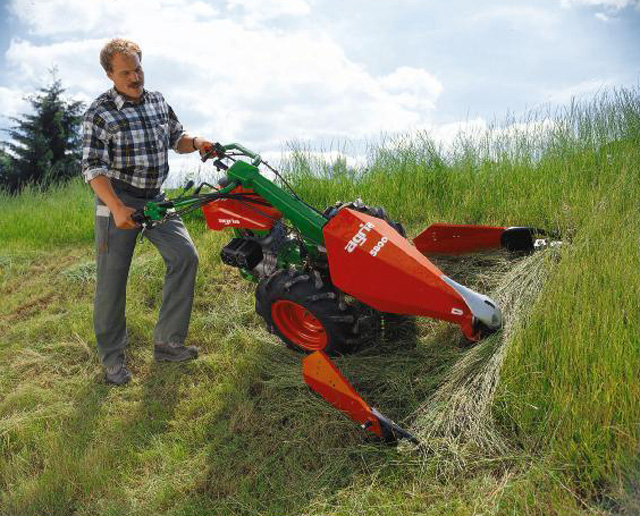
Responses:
[540,418]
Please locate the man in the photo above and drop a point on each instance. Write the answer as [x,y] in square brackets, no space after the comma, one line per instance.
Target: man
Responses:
[127,134]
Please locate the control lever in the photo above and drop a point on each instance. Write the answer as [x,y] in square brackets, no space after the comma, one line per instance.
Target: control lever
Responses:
[220,165]
[215,150]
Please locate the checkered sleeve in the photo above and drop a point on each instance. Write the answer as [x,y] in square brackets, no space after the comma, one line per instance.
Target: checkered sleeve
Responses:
[176,131]
[95,147]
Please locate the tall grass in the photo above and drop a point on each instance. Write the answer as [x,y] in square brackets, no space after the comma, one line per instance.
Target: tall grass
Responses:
[459,414]
[45,218]
[548,170]
[570,385]
[541,418]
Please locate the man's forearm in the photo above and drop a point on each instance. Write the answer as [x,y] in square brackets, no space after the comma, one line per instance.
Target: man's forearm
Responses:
[101,185]
[186,144]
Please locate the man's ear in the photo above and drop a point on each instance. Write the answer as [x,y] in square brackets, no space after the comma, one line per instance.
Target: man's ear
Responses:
[110,75]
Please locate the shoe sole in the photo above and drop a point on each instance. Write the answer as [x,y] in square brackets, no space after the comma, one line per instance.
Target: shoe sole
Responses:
[118,383]
[173,358]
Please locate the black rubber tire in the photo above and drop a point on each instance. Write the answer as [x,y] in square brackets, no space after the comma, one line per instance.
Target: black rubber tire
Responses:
[374,211]
[381,213]
[346,325]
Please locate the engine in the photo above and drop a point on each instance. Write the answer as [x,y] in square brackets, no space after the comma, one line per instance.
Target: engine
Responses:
[256,254]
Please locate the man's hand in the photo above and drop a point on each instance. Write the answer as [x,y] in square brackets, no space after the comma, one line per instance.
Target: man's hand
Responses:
[101,185]
[122,217]
[189,144]
[202,145]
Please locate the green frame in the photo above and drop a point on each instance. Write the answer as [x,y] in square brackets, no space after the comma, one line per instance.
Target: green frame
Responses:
[304,218]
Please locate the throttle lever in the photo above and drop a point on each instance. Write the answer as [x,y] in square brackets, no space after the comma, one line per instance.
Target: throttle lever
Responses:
[215,150]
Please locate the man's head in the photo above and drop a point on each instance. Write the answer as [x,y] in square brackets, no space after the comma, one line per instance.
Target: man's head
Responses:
[121,58]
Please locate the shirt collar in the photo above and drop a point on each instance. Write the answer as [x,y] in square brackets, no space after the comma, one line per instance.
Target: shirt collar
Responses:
[120,100]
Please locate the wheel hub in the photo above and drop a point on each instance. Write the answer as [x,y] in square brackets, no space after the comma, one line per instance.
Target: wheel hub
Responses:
[299,325]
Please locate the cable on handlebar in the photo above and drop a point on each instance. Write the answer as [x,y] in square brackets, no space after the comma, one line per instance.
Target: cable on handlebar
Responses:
[293,192]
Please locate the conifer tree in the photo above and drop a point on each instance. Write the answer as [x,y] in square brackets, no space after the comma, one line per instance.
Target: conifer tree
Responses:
[46,145]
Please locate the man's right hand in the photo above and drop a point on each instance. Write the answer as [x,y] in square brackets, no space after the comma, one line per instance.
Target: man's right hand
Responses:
[122,217]
[101,185]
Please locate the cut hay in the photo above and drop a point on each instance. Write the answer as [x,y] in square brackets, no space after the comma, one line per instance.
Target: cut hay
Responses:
[457,421]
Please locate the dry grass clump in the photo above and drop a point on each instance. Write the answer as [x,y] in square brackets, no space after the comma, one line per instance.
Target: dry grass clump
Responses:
[457,421]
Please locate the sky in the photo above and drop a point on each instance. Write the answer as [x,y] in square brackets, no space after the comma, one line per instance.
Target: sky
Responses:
[327,75]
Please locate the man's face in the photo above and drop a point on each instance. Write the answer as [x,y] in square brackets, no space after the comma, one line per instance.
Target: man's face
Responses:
[127,75]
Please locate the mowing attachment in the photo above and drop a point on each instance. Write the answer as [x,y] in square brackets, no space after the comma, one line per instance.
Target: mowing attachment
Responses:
[326,278]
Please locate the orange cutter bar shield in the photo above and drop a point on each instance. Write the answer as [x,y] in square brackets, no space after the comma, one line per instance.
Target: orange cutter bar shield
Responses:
[322,376]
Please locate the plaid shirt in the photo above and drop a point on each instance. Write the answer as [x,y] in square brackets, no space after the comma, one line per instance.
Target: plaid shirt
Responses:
[129,141]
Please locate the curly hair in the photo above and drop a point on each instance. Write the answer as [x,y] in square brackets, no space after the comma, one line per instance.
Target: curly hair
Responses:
[117,46]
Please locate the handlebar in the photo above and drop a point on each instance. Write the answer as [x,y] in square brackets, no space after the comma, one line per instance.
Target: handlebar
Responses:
[221,151]
[139,217]
[150,214]
[155,212]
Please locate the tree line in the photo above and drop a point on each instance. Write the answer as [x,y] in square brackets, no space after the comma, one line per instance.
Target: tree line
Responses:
[45,146]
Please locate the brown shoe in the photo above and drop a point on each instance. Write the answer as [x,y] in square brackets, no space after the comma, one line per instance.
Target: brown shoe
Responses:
[174,352]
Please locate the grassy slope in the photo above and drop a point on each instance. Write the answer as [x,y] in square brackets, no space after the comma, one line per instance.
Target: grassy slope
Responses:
[238,433]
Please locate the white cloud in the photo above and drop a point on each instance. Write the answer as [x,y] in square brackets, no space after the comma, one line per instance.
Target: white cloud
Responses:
[257,10]
[228,81]
[62,16]
[76,61]
[602,17]
[585,88]
[614,5]
[227,78]
[532,131]
[414,87]
[107,18]
[519,17]
[447,134]
[12,103]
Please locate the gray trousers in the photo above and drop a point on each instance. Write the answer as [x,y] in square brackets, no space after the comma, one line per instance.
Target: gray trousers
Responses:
[114,249]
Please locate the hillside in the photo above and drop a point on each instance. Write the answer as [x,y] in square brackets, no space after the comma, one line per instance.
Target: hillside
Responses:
[541,418]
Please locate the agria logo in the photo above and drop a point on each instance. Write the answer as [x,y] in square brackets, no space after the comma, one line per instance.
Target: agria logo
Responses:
[359,238]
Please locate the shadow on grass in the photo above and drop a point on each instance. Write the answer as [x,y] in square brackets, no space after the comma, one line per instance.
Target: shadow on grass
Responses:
[277,447]
[98,443]
[281,449]
[54,490]
[274,446]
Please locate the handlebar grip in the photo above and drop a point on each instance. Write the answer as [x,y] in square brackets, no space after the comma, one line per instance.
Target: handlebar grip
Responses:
[216,150]
[139,217]
[204,157]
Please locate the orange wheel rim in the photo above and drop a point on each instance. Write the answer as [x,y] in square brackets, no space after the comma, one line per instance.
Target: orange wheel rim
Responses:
[299,325]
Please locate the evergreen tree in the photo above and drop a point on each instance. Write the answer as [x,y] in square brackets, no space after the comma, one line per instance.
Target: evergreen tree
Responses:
[46,145]
[5,166]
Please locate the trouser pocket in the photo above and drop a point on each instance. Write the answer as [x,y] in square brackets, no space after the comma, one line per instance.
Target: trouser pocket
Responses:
[102,226]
